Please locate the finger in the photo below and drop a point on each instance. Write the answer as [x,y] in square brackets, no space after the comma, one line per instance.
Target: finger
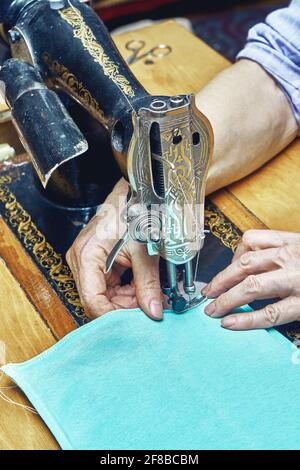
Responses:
[240,250]
[261,239]
[146,276]
[93,301]
[123,296]
[92,291]
[251,262]
[284,311]
[127,289]
[91,282]
[263,286]
[71,264]
[166,302]
[124,301]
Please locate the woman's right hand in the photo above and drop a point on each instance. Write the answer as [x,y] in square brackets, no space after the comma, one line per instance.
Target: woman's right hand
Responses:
[100,292]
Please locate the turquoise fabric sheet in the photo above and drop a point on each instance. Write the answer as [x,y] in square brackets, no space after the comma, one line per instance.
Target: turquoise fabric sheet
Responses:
[126,382]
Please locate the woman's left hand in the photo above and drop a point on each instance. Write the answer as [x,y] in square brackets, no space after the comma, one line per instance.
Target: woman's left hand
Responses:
[266,265]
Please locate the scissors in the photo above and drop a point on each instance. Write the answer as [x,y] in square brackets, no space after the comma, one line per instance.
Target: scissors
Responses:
[136,46]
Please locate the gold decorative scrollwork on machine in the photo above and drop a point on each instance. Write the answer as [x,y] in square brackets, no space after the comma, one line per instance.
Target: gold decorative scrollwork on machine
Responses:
[221,228]
[84,33]
[75,87]
[34,240]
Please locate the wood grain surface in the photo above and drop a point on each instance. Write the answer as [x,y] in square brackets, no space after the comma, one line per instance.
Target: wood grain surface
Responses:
[42,296]
[190,66]
[23,335]
[273,192]
[3,105]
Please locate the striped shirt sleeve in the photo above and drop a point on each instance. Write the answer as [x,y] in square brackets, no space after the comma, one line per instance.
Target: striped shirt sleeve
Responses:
[275,45]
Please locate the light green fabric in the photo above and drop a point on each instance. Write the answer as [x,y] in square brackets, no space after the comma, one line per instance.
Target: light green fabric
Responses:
[126,382]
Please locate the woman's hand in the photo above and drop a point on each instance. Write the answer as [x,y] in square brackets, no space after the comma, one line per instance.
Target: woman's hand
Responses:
[265,265]
[100,292]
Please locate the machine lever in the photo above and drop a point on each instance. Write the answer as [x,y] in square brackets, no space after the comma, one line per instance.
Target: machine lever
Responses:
[115,251]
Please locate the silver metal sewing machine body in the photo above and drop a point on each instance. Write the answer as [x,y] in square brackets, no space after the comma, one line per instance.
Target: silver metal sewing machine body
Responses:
[167,164]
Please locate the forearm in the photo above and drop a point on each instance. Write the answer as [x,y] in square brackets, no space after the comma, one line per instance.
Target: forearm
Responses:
[251,118]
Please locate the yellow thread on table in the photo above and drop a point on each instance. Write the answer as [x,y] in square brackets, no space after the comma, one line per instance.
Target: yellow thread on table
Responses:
[11,401]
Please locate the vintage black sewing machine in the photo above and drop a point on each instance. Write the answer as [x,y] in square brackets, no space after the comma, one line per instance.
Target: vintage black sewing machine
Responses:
[162,144]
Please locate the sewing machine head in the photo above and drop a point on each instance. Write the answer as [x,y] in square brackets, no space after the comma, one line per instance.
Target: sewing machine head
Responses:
[167,165]
[162,144]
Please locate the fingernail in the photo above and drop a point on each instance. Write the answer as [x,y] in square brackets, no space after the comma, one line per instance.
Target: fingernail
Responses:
[210,309]
[156,309]
[205,289]
[228,322]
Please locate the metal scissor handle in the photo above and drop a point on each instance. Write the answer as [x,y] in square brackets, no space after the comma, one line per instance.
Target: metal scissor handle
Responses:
[161,50]
[134,46]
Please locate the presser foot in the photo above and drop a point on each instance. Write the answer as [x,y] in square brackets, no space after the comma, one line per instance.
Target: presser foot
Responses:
[176,299]
[179,303]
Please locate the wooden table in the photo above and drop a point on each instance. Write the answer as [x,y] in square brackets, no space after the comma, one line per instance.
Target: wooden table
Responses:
[32,317]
